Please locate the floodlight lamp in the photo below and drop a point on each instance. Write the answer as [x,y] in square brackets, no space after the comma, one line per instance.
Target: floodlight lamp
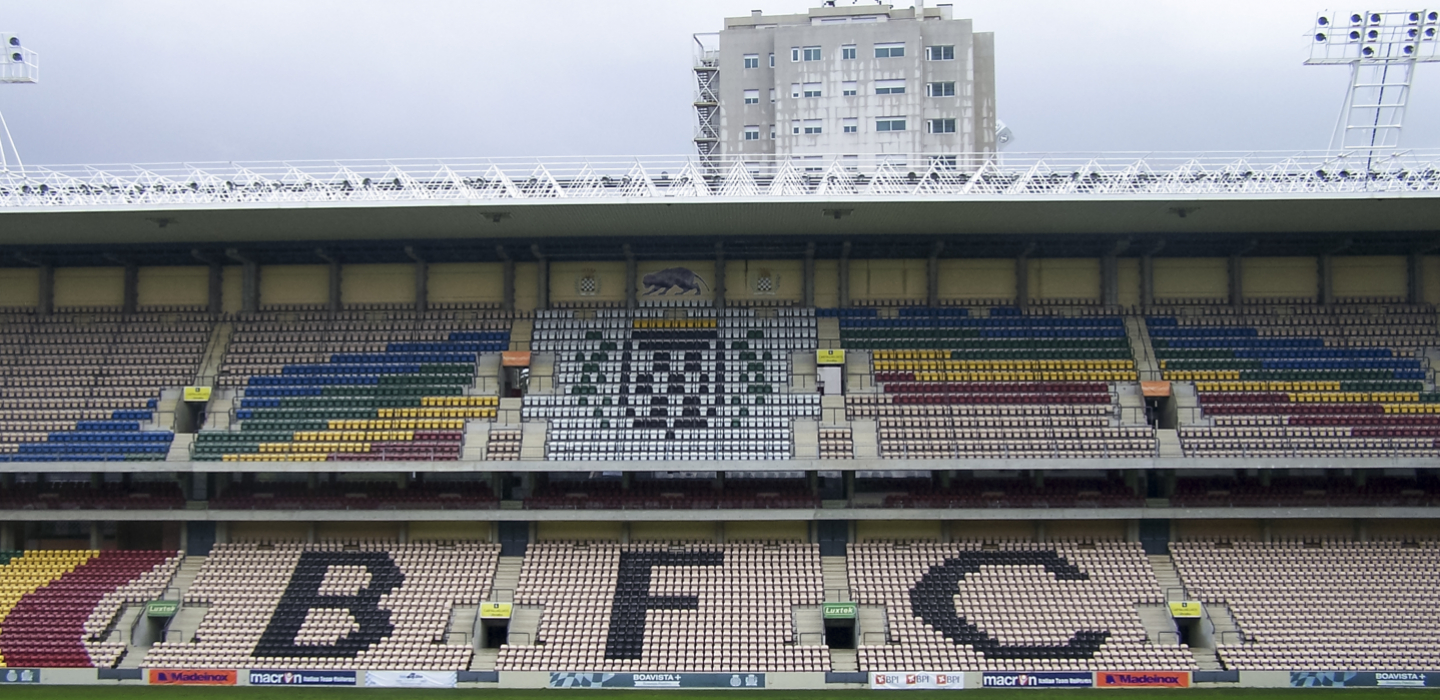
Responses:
[1412,32]
[1433,16]
[1414,17]
[1375,18]
[1356,19]
[14,41]
[1322,20]
[16,57]
[1430,34]
[1354,35]
[1373,34]
[1320,37]
[1408,50]
[1368,51]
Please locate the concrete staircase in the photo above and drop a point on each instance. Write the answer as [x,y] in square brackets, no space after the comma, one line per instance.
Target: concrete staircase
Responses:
[871,628]
[525,624]
[836,578]
[187,619]
[1159,626]
[809,625]
[1168,440]
[477,439]
[507,577]
[1166,576]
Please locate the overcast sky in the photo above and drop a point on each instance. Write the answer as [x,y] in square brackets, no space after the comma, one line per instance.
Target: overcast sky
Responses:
[181,80]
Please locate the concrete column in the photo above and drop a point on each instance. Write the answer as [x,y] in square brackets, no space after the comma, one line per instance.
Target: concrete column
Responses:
[1042,533]
[310,533]
[1237,283]
[250,286]
[200,486]
[1362,530]
[422,286]
[214,299]
[507,278]
[95,536]
[404,534]
[631,277]
[1326,278]
[848,477]
[932,274]
[7,536]
[47,290]
[1147,281]
[844,275]
[1022,282]
[334,303]
[1110,280]
[542,279]
[1415,269]
[719,286]
[130,299]
[807,271]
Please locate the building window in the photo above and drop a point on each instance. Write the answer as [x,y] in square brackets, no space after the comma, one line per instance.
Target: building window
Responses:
[795,126]
[752,133]
[811,53]
[812,89]
[939,53]
[772,132]
[794,54]
[848,87]
[945,162]
[794,89]
[772,95]
[752,97]
[890,87]
[847,52]
[812,164]
[772,59]
[890,50]
[850,125]
[890,124]
[851,164]
[940,89]
[812,126]
[752,60]
[942,126]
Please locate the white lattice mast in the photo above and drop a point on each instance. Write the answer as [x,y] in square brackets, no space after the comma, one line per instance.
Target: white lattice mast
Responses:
[707,94]
[17,65]
[1382,50]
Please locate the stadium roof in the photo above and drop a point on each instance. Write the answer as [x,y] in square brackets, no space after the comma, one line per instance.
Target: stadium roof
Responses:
[1067,205]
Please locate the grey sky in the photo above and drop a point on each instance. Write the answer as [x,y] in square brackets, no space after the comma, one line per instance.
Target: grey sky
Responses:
[173,80]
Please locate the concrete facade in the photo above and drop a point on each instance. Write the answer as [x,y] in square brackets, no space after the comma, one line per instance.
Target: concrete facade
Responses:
[922,83]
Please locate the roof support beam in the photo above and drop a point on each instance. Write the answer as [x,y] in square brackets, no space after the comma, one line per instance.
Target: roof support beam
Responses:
[932,274]
[1147,273]
[542,279]
[1022,278]
[333,304]
[507,283]
[422,280]
[844,276]
[807,272]
[1236,270]
[1326,271]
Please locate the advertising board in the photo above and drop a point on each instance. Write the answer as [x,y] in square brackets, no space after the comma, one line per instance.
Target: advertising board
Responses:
[1142,679]
[1364,679]
[411,679]
[1041,679]
[173,676]
[19,675]
[656,680]
[266,677]
[916,680]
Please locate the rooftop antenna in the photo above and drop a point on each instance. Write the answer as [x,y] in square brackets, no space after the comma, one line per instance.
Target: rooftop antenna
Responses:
[1382,50]
[17,65]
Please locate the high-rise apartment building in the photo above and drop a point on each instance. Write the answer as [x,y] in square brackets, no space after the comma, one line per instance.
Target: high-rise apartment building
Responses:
[853,80]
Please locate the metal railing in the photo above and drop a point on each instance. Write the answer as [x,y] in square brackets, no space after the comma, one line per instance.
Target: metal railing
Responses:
[750,177]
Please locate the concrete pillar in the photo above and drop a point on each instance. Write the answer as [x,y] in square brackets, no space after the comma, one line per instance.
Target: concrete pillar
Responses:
[719,286]
[250,286]
[1110,280]
[200,486]
[507,271]
[1415,277]
[95,536]
[310,533]
[1022,282]
[625,533]
[1266,534]
[631,277]
[1237,284]
[844,275]
[404,534]
[1362,530]
[848,476]
[1042,533]
[422,286]
[1326,276]
[130,299]
[7,536]
[1147,281]
[214,299]
[47,290]
[542,279]
[333,304]
[807,272]
[932,275]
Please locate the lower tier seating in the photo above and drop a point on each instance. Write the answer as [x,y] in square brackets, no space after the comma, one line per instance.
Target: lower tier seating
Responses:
[665,608]
[332,606]
[1017,606]
[57,606]
[1321,604]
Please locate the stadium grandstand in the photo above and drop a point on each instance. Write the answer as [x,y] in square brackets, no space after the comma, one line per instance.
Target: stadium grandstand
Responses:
[793,423]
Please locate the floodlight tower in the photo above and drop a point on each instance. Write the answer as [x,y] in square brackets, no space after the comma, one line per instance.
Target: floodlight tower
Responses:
[1382,50]
[17,65]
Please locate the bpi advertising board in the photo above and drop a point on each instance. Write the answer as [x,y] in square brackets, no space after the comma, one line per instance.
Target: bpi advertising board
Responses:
[1364,679]
[302,678]
[657,680]
[916,680]
[1057,679]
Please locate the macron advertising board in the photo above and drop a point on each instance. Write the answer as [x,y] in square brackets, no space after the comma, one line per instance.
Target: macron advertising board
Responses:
[302,677]
[1041,679]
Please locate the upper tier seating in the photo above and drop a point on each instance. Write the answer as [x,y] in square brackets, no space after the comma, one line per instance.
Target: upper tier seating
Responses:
[1301,381]
[672,383]
[1004,385]
[371,606]
[57,606]
[357,495]
[362,386]
[83,386]
[1013,607]
[1322,604]
[673,493]
[668,608]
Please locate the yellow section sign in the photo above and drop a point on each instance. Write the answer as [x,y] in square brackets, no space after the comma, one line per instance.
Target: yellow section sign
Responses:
[495,611]
[197,393]
[830,357]
[1188,608]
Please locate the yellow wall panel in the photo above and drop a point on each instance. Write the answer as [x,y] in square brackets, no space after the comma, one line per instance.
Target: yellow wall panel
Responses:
[753,530]
[468,531]
[1312,529]
[1279,277]
[992,529]
[1431,267]
[368,530]
[231,284]
[377,284]
[1093,529]
[466,283]
[268,531]
[870,530]
[570,532]
[1192,278]
[704,269]
[888,279]
[684,531]
[827,284]
[173,286]
[89,286]
[1403,529]
[1250,530]
[566,281]
[1065,278]
[744,279]
[295,284]
[19,287]
[1370,276]
[1127,273]
[980,278]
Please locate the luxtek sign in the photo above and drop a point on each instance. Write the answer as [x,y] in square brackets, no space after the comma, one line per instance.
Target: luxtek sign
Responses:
[839,611]
[1079,679]
[1143,679]
[161,608]
[166,676]
[302,678]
